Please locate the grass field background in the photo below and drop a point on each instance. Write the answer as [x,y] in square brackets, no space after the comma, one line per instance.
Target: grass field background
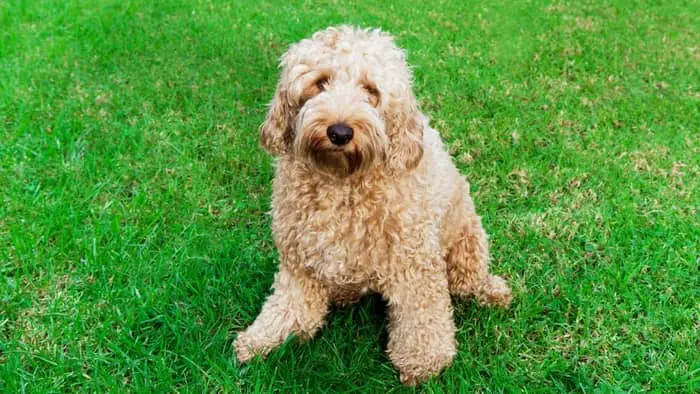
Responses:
[134,239]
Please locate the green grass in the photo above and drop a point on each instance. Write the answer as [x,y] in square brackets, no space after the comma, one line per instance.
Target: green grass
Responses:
[134,239]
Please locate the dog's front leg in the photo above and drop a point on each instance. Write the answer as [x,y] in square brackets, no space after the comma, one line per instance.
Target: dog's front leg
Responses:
[298,306]
[421,330]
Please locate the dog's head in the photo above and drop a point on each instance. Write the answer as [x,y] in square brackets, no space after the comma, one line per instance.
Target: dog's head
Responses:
[345,103]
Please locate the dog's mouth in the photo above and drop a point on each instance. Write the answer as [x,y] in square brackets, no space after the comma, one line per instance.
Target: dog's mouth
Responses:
[341,161]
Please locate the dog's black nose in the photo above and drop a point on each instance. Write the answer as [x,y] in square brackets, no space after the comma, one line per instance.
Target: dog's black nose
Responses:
[339,133]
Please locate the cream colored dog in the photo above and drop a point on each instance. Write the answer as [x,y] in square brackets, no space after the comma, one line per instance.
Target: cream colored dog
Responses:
[366,200]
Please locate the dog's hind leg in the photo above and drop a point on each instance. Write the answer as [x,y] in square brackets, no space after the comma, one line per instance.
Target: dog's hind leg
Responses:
[468,262]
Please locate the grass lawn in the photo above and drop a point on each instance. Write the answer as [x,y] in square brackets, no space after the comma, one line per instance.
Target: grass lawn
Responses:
[134,239]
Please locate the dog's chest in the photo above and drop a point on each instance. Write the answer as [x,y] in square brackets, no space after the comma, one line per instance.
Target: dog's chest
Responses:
[340,235]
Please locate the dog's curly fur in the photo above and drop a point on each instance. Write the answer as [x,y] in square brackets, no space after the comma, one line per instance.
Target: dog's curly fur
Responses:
[388,212]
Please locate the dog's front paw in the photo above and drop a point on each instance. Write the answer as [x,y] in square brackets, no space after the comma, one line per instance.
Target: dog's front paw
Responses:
[246,347]
[417,368]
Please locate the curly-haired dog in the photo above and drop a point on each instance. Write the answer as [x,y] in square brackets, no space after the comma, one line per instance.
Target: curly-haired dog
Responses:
[366,199]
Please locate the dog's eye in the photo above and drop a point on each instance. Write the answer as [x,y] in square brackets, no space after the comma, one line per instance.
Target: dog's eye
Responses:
[321,83]
[313,89]
[373,93]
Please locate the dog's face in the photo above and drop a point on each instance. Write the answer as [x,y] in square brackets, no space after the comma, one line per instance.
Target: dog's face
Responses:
[344,103]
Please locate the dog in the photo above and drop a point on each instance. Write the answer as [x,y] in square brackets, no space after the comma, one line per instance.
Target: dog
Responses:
[366,199]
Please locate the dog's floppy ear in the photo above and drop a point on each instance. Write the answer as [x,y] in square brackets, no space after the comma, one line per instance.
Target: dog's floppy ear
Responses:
[405,132]
[276,130]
